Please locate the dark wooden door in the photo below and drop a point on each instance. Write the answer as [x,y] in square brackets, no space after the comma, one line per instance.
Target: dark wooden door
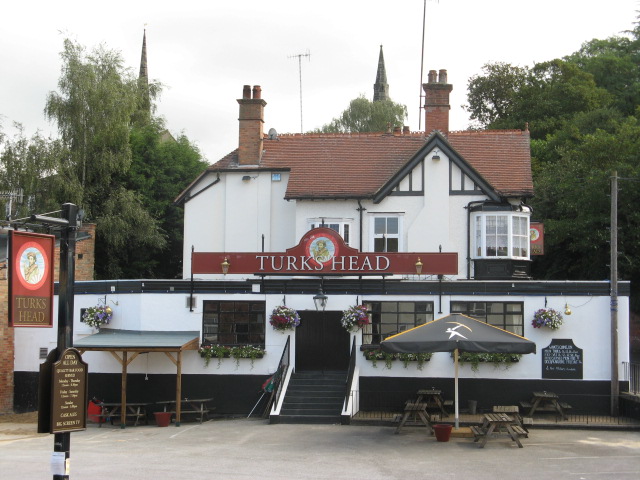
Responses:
[321,342]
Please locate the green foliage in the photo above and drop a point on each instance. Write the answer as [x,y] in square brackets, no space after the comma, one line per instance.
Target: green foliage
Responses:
[375,354]
[363,115]
[222,351]
[497,359]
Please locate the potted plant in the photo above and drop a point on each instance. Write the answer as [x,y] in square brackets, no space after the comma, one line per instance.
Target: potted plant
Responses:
[284,318]
[355,317]
[97,316]
[547,317]
[498,359]
[222,351]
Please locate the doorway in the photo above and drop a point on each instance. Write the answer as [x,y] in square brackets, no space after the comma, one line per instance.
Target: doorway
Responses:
[322,343]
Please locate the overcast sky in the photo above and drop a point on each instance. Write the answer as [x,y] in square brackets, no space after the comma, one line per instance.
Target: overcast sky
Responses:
[204,52]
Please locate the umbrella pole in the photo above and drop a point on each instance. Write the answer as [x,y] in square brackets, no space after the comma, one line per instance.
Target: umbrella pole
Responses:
[455,361]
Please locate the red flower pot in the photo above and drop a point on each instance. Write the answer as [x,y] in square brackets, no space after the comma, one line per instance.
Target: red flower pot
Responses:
[443,432]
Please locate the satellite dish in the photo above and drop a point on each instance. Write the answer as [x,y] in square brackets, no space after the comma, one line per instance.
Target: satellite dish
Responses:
[273,135]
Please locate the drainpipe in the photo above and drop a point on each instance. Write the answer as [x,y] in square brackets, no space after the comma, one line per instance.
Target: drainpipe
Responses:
[360,209]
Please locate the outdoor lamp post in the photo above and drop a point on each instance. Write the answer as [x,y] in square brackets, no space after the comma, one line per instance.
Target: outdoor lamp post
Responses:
[320,300]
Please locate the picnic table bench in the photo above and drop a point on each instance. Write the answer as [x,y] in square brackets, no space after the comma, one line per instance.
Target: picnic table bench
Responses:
[495,424]
[416,411]
[198,406]
[545,402]
[110,410]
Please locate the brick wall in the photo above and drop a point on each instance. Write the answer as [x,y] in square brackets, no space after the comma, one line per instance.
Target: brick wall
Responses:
[85,259]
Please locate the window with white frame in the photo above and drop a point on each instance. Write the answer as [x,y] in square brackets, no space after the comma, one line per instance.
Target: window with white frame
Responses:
[386,233]
[342,226]
[501,235]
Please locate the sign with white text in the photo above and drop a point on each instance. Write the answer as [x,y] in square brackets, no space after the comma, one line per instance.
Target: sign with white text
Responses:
[322,251]
[31,279]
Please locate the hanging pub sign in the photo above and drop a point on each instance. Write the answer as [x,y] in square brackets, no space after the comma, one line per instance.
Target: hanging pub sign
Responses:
[322,251]
[31,279]
[536,236]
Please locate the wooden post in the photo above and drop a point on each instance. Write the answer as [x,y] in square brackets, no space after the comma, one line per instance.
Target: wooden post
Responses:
[179,388]
[123,399]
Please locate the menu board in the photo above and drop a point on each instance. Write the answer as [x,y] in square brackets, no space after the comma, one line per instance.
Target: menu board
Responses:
[69,393]
[562,359]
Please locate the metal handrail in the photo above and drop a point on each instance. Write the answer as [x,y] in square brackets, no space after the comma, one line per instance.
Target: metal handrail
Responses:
[281,372]
[352,368]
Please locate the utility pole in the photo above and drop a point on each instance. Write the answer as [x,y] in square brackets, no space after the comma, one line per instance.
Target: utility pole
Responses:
[299,57]
[615,384]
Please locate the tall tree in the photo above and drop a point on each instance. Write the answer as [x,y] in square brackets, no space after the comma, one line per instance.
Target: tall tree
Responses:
[93,110]
[363,115]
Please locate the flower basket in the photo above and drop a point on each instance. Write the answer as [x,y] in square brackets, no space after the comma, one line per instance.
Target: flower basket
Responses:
[547,317]
[356,317]
[97,316]
[222,351]
[284,318]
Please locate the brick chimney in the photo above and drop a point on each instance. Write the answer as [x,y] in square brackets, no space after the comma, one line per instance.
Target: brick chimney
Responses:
[251,126]
[436,102]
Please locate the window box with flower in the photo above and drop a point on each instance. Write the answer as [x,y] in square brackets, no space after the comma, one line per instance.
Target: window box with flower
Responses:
[284,318]
[547,317]
[374,354]
[222,351]
[97,316]
[355,317]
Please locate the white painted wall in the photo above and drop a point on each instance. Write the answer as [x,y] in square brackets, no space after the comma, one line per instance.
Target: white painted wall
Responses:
[588,327]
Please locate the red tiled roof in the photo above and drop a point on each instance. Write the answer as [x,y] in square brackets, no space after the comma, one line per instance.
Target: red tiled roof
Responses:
[358,165]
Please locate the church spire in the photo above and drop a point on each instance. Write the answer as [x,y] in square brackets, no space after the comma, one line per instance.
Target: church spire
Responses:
[143,78]
[381,87]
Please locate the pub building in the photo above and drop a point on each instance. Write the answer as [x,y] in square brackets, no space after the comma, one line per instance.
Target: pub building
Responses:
[412,225]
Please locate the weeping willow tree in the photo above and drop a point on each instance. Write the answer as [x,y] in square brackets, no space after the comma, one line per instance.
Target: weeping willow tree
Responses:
[94,107]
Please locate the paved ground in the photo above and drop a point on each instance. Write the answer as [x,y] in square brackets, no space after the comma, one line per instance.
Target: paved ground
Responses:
[251,449]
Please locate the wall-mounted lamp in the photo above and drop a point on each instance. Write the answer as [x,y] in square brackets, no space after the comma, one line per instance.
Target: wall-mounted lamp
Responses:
[225,266]
[436,156]
[246,178]
[567,310]
[419,266]
[320,300]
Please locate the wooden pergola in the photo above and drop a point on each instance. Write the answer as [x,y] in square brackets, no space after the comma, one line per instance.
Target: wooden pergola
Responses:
[126,345]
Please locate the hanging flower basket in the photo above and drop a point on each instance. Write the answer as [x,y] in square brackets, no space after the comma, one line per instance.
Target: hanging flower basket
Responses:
[547,317]
[97,316]
[284,318]
[355,318]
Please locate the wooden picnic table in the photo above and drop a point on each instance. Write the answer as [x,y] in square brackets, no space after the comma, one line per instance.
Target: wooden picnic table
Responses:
[433,398]
[135,410]
[546,402]
[417,411]
[495,424]
[198,406]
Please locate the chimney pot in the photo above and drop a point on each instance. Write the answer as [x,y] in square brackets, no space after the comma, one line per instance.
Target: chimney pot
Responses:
[432,76]
[246,91]
[405,130]
[397,130]
[257,92]
[442,77]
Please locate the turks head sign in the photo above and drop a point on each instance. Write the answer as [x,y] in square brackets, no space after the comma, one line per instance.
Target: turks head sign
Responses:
[30,279]
[322,251]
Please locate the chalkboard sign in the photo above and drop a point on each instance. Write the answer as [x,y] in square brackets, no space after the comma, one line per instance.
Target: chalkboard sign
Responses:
[562,359]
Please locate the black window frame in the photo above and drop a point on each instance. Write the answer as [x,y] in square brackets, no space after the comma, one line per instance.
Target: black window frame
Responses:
[231,323]
[378,330]
[485,311]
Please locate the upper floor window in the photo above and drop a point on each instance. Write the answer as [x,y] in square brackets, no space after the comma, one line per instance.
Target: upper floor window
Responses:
[233,323]
[501,235]
[343,227]
[386,234]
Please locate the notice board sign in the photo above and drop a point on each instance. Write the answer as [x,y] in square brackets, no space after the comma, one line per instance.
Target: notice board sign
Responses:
[63,393]
[562,359]
[31,279]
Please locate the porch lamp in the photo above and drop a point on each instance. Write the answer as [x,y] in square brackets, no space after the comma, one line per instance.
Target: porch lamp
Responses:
[419,266]
[567,310]
[225,266]
[320,300]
